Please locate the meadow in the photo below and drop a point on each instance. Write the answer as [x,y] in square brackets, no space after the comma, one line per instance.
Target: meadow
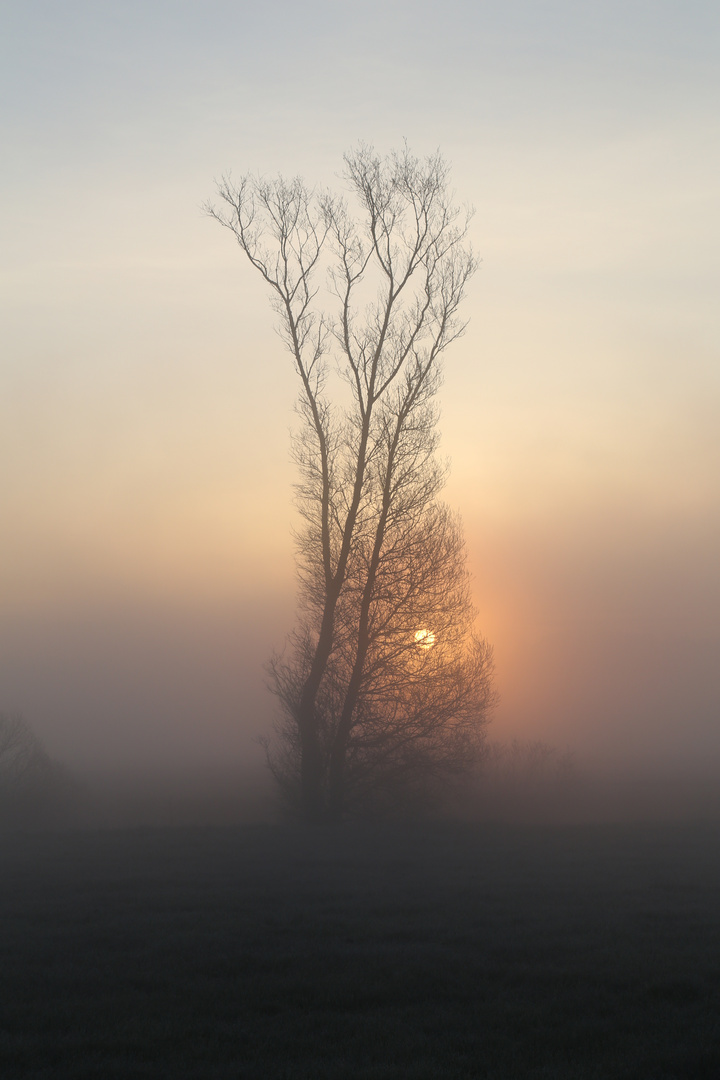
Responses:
[425,951]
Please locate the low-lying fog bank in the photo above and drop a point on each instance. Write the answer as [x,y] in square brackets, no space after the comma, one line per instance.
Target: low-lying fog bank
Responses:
[125,799]
[597,796]
[517,784]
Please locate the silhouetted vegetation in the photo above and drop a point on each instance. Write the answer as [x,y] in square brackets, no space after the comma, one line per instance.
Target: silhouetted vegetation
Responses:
[32,785]
[384,686]
[521,780]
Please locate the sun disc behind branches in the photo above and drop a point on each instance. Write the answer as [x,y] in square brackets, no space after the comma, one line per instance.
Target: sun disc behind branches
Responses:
[424,638]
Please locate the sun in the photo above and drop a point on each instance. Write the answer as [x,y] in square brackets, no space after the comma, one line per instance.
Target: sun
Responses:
[424,638]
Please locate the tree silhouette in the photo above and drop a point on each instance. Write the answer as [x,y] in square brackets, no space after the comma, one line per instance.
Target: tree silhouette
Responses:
[29,779]
[384,686]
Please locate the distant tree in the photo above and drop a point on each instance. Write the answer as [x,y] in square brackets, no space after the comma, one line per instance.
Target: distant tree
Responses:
[385,688]
[28,776]
[524,779]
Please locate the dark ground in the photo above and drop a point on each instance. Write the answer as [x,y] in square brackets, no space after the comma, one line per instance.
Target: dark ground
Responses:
[426,952]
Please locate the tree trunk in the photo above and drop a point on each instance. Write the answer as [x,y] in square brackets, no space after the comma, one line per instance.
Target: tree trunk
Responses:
[336,779]
[311,778]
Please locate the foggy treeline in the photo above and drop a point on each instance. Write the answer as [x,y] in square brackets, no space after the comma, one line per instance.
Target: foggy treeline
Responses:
[33,786]
[522,782]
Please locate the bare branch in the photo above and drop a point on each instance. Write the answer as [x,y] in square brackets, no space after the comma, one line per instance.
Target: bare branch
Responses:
[378,557]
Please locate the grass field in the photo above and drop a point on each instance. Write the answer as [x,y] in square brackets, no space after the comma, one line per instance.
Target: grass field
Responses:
[436,951]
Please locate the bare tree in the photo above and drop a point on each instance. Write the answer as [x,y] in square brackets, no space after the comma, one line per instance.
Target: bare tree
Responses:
[529,780]
[22,756]
[415,716]
[379,559]
[29,778]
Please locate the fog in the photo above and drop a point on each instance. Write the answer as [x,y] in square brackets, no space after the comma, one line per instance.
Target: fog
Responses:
[138,656]
[554,910]
[146,560]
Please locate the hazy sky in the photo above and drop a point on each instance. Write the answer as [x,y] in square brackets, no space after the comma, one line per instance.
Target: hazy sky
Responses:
[146,559]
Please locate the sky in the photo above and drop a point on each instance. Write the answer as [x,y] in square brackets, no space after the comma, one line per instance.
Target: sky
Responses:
[146,561]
